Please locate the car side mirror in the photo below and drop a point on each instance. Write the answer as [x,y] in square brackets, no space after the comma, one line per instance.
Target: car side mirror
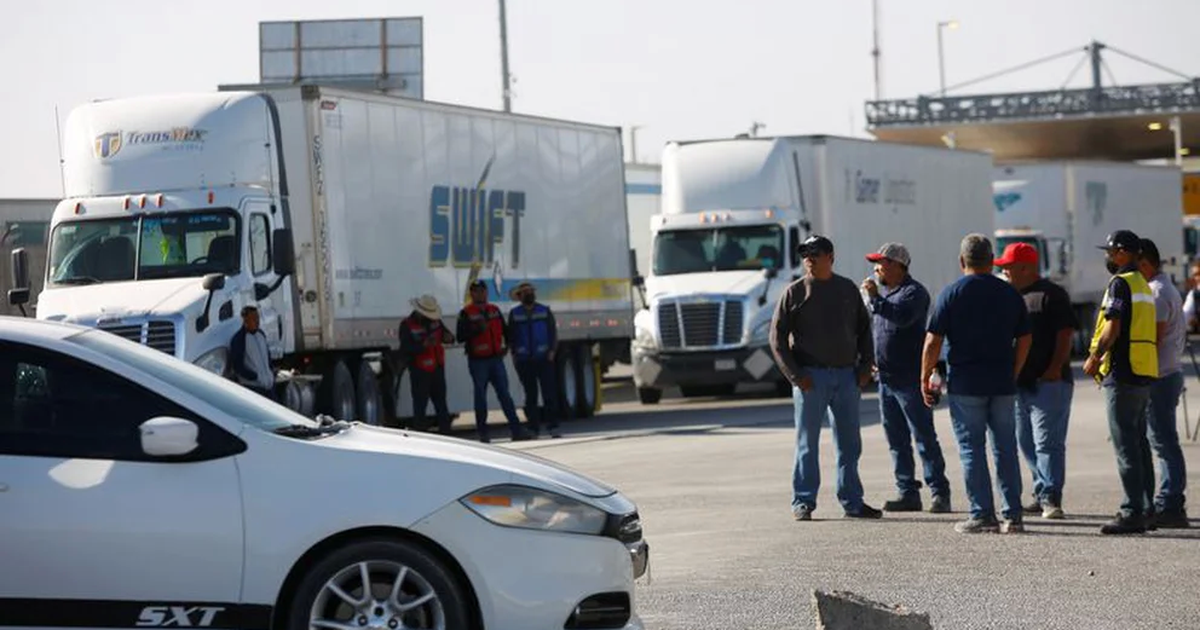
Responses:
[283,252]
[166,436]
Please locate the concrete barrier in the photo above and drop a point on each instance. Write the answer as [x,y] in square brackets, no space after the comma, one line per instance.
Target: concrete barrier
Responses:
[840,610]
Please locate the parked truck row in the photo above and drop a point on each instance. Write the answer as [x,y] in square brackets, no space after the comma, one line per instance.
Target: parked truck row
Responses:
[331,209]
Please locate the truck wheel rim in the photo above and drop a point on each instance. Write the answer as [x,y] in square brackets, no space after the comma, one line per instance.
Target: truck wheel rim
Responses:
[377,595]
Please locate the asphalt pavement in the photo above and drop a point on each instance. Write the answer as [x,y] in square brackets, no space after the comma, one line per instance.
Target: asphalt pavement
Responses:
[712,479]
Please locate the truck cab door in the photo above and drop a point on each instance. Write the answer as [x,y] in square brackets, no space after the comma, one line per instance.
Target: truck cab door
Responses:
[260,225]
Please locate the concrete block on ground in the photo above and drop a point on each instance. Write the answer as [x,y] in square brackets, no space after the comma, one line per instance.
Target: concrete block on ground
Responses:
[841,610]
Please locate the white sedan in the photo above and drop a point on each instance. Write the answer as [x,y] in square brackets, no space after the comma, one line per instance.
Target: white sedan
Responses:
[138,491]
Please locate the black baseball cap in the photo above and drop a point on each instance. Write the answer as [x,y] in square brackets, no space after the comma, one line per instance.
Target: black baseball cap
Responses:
[815,245]
[478,284]
[1123,239]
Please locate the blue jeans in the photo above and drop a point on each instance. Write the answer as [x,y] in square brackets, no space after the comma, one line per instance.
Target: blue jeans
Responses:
[833,390]
[483,372]
[904,414]
[1164,438]
[974,418]
[539,374]
[1126,406]
[1042,418]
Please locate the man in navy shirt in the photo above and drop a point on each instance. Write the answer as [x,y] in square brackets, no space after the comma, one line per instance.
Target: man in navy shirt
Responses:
[898,315]
[987,325]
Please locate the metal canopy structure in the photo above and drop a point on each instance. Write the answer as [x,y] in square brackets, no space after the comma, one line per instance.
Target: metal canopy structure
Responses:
[1124,123]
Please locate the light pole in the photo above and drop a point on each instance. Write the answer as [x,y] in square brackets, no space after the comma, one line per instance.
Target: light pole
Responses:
[504,59]
[1177,129]
[951,24]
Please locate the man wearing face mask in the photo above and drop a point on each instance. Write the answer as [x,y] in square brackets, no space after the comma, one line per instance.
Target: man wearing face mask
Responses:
[821,339]
[533,337]
[898,315]
[1124,359]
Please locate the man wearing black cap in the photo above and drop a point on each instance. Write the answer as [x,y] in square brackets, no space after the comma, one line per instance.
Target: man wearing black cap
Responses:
[1124,358]
[821,339]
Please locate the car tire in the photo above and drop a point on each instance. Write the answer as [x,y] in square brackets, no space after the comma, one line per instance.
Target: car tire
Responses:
[384,558]
[649,395]
[369,398]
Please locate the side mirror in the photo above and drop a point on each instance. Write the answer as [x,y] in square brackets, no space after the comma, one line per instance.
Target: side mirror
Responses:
[20,268]
[213,282]
[283,252]
[166,436]
[639,281]
[770,272]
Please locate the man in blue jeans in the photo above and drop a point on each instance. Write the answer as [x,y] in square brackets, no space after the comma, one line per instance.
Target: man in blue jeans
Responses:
[482,328]
[1168,503]
[898,315]
[1046,385]
[821,339]
[986,323]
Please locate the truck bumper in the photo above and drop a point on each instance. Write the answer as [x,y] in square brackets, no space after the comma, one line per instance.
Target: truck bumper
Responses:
[652,368]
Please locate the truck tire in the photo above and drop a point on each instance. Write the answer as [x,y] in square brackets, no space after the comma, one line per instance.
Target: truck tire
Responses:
[589,382]
[649,395]
[338,397]
[369,398]
[568,381]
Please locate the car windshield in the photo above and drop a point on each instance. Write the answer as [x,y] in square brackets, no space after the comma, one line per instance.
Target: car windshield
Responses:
[144,248]
[232,399]
[718,249]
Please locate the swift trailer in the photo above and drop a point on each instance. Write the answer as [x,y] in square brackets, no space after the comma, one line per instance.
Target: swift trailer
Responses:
[330,210]
[733,215]
[1067,209]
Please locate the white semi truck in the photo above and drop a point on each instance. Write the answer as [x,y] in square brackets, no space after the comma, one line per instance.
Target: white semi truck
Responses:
[733,213]
[1067,209]
[330,210]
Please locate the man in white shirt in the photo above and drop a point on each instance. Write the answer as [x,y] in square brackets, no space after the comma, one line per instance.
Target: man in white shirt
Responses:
[1169,510]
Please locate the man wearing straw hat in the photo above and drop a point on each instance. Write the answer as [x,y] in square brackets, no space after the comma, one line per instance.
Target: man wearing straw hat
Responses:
[422,339]
[533,338]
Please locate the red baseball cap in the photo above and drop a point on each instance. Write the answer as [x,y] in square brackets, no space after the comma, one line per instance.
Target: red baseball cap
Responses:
[1017,253]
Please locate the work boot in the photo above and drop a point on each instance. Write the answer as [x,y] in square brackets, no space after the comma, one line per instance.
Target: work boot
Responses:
[1052,511]
[940,505]
[802,512]
[1172,519]
[1033,508]
[1123,524]
[865,512]
[1012,526]
[904,503]
[978,526]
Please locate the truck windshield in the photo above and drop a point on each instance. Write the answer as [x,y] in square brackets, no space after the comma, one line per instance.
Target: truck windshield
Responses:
[145,248]
[718,249]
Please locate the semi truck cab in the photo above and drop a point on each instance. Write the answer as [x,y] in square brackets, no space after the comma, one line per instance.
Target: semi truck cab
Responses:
[715,279]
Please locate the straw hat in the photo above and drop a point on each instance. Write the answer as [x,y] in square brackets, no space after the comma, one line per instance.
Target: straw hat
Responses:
[427,305]
[515,294]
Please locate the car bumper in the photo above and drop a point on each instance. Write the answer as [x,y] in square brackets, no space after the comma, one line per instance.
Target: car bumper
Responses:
[532,579]
[654,368]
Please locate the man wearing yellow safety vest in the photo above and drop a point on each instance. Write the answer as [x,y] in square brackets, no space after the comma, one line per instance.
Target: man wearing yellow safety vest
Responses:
[1124,358]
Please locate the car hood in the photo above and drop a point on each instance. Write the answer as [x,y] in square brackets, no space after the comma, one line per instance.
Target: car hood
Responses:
[89,304]
[512,463]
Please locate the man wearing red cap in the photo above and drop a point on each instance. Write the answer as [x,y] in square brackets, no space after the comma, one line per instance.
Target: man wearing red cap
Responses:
[1045,385]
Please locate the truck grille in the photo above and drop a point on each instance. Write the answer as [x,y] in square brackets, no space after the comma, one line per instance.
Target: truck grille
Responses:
[700,324]
[157,335]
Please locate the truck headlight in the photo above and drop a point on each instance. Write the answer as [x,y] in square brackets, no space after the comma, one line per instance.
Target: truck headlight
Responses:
[529,508]
[644,338]
[215,361]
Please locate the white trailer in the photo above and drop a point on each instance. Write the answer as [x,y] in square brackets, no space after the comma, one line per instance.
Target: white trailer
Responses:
[330,210]
[734,211]
[1067,209]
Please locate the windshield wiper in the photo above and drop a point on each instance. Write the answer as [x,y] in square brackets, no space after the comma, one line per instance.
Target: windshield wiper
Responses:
[77,280]
[304,431]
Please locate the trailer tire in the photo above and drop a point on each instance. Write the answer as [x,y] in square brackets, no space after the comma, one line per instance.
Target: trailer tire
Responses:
[339,395]
[649,395]
[369,398]
[589,382]
[568,381]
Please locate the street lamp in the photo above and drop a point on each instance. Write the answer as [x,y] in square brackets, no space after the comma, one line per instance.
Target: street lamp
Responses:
[952,25]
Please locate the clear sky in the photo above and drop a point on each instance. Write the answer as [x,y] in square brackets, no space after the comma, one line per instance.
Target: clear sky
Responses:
[680,68]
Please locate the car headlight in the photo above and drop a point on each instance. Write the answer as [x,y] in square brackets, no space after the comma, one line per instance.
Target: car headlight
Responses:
[215,361]
[529,508]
